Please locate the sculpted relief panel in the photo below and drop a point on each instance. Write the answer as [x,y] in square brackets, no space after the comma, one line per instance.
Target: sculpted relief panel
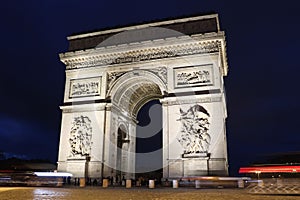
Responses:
[161,72]
[193,76]
[85,87]
[112,77]
[81,136]
[194,136]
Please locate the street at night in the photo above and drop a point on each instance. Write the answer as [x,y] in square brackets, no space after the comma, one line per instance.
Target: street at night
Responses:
[132,193]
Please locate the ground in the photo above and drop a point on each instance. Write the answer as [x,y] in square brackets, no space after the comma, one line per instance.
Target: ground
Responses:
[89,193]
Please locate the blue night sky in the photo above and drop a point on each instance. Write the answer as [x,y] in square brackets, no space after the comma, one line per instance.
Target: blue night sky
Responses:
[262,88]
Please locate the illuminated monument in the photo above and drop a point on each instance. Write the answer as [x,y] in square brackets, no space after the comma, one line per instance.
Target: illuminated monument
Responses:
[111,74]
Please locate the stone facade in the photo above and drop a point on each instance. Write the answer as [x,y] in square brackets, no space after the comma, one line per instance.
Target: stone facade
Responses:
[108,83]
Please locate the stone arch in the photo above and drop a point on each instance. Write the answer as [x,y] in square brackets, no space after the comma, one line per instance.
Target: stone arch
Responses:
[128,94]
[122,131]
[135,88]
[109,84]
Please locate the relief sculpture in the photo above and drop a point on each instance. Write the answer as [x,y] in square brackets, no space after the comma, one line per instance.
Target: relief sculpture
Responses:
[194,136]
[201,75]
[81,136]
[196,77]
[85,87]
[112,77]
[161,72]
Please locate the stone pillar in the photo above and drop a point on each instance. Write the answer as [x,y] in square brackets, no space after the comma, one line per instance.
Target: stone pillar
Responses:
[128,183]
[175,183]
[151,184]
[82,182]
[108,142]
[105,183]
[165,140]
[82,158]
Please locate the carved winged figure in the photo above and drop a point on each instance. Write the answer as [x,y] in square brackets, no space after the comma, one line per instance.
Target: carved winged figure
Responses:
[194,136]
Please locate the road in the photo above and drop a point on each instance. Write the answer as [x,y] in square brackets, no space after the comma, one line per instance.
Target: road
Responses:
[93,193]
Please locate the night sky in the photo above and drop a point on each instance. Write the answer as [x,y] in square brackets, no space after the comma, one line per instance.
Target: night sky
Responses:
[262,88]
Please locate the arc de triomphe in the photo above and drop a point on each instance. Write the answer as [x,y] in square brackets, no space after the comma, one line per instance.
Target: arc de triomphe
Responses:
[112,73]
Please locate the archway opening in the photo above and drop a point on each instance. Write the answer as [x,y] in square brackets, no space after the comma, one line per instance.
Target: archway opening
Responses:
[135,104]
[149,141]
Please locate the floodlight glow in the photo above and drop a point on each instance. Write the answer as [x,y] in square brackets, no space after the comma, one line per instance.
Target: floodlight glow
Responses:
[53,174]
[233,178]
[270,169]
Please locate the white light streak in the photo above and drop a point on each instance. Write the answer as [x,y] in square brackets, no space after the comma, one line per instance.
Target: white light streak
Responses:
[53,174]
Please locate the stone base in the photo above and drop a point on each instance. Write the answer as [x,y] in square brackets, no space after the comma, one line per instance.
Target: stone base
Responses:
[94,169]
[190,166]
[195,166]
[77,167]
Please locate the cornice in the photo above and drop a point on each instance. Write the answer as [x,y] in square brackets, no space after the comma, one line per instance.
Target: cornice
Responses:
[85,60]
[82,108]
[179,101]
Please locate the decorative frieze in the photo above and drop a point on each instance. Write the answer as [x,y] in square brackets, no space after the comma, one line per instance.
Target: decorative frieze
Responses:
[171,102]
[140,55]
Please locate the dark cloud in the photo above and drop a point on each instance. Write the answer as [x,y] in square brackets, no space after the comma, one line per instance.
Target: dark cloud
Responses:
[27,139]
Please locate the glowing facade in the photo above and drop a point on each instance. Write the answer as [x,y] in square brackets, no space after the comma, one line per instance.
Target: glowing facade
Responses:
[111,74]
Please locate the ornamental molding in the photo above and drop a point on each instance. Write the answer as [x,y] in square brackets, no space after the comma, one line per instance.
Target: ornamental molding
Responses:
[161,72]
[90,59]
[166,102]
[83,108]
[121,112]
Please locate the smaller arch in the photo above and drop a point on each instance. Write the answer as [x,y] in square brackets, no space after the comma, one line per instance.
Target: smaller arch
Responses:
[135,88]
[122,127]
[147,75]
[121,138]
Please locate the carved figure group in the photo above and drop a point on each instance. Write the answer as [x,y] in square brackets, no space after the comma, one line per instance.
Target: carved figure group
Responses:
[81,136]
[194,136]
[195,77]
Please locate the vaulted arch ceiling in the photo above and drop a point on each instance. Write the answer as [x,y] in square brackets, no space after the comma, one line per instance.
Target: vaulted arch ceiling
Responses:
[134,93]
